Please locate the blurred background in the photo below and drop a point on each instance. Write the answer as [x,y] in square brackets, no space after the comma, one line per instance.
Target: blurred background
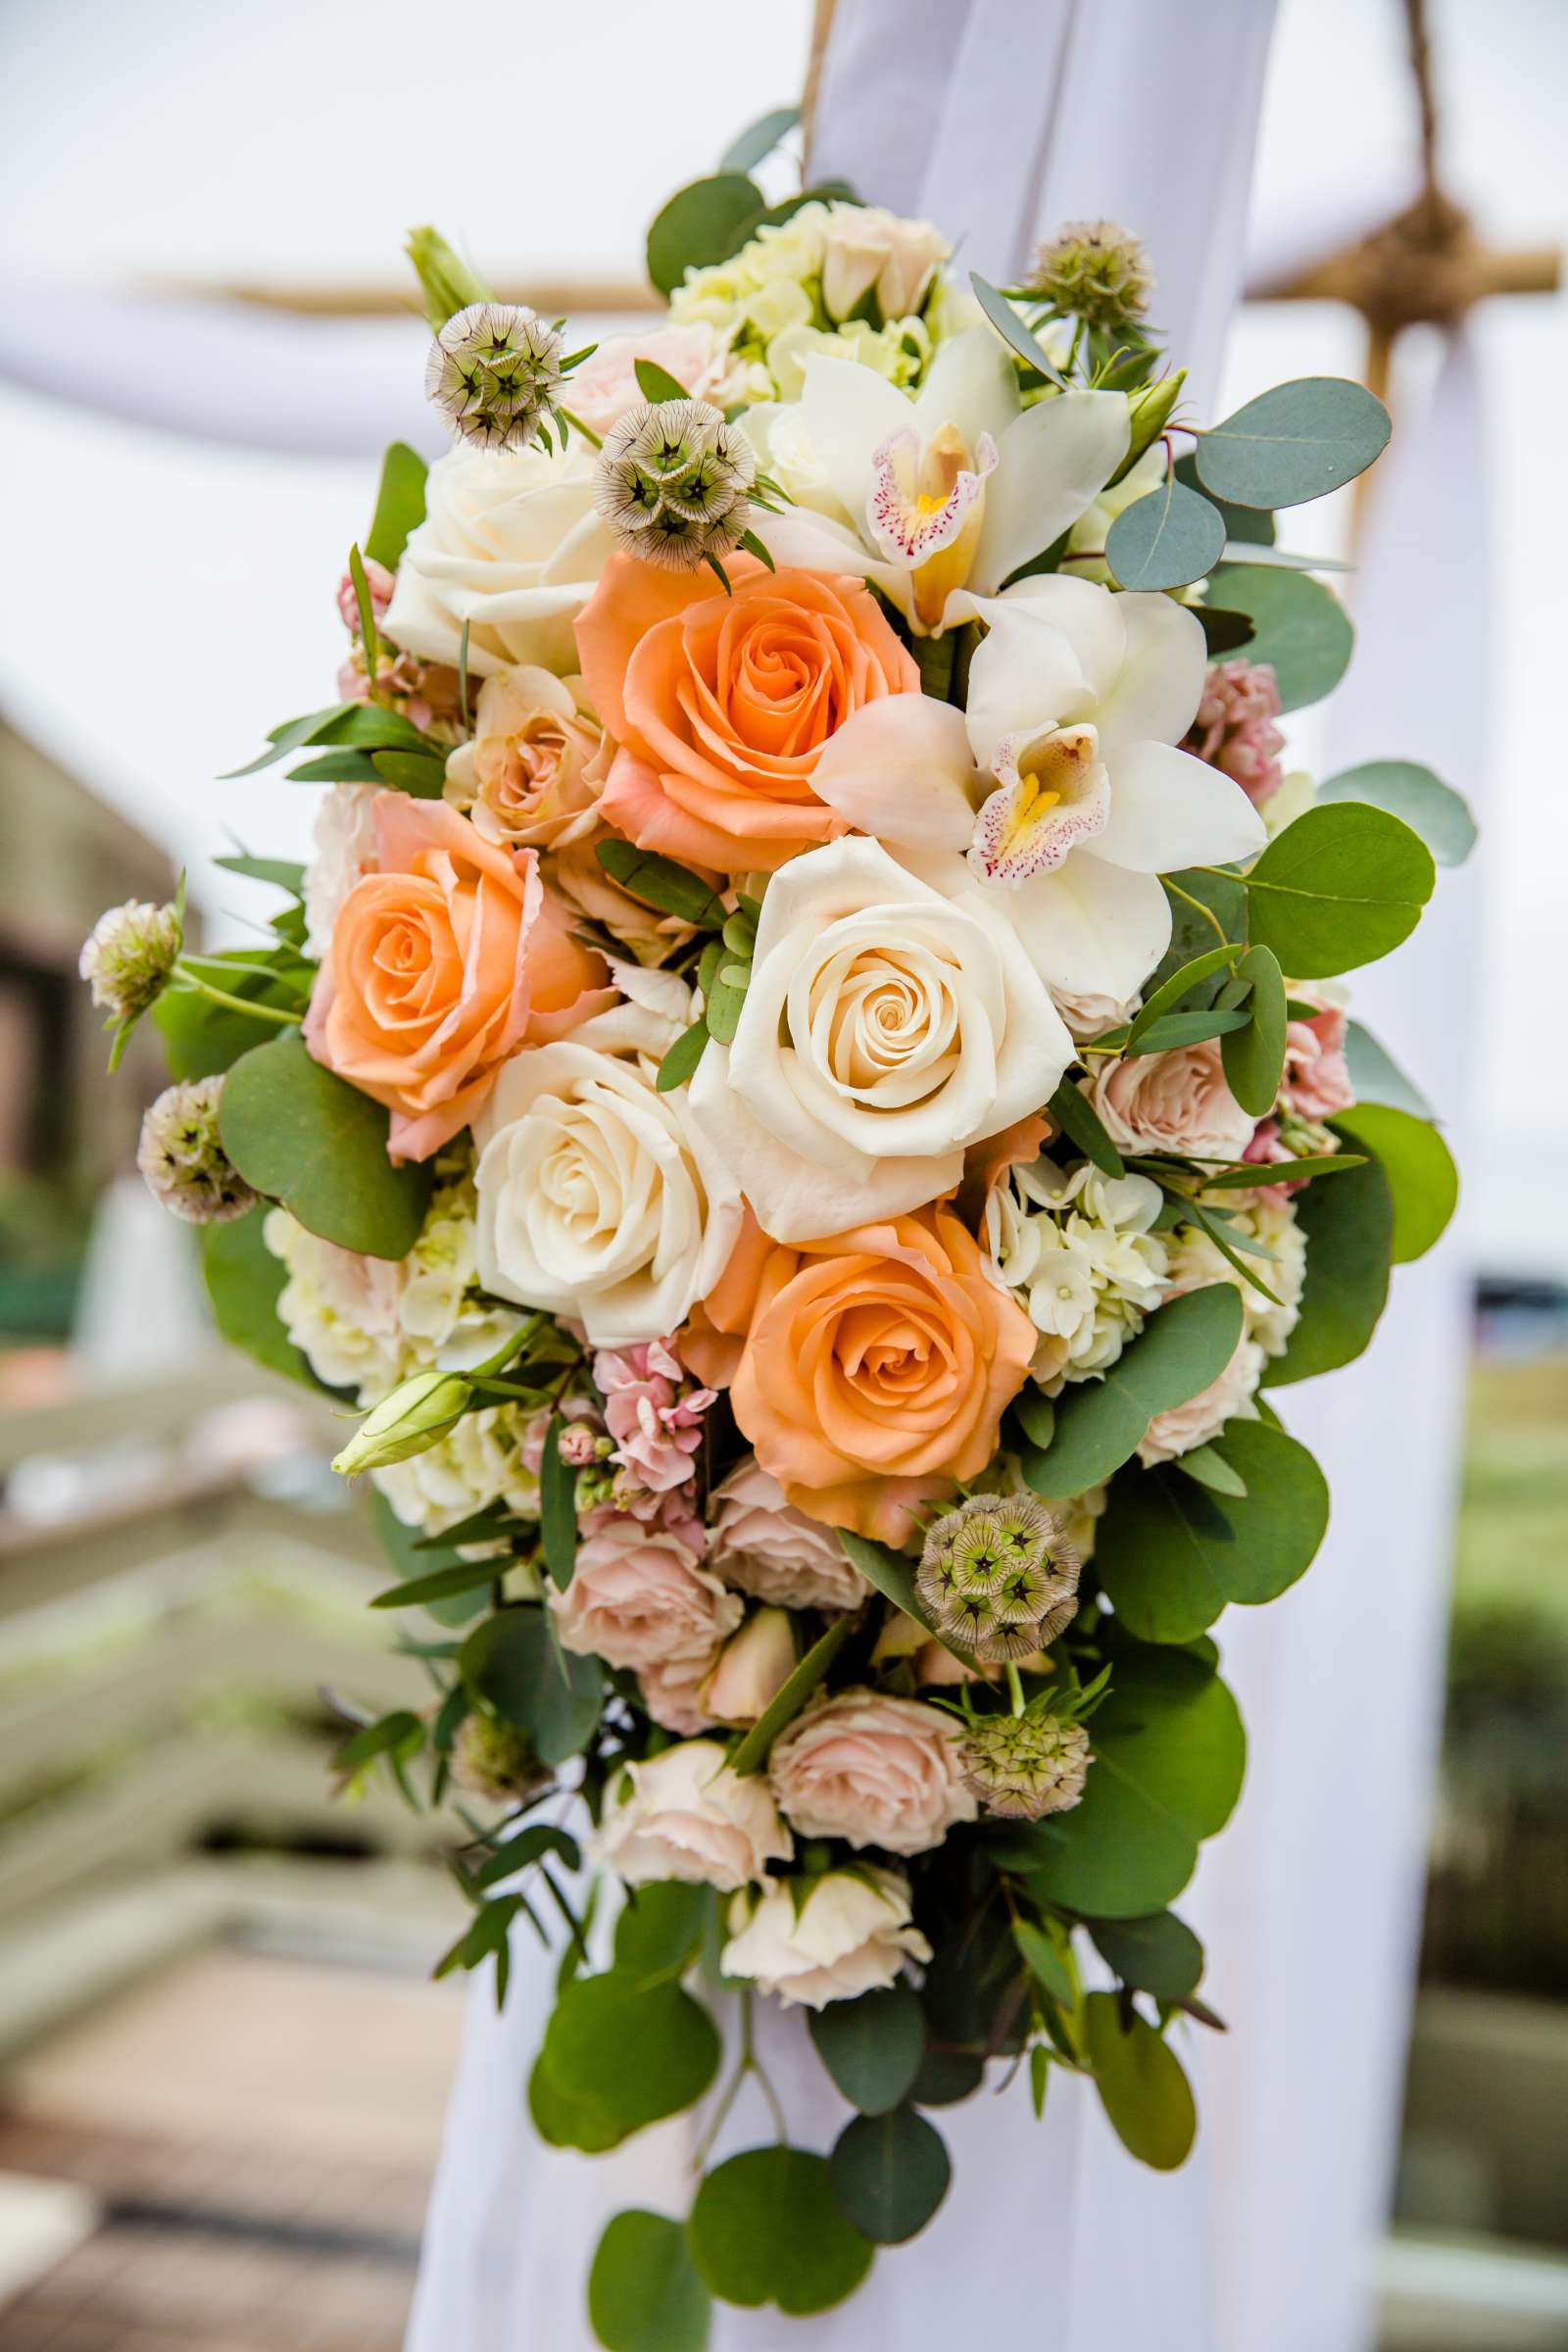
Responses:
[221,2059]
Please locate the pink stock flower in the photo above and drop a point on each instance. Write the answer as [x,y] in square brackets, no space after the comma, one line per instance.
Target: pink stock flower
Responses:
[379,581]
[1234,730]
[1317,1080]
[653,1417]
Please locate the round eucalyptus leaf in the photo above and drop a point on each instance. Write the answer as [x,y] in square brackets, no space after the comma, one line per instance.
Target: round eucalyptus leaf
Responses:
[243,1282]
[890,2173]
[1100,1423]
[871,2046]
[1412,792]
[644,2294]
[945,2078]
[304,1136]
[1160,1955]
[1167,539]
[1253,1058]
[701,225]
[1342,886]
[767,2228]
[1168,1757]
[513,1663]
[1294,443]
[634,2053]
[566,2121]
[1172,1553]
[1141,2084]
[1299,627]
[1420,1167]
[660,1929]
[1377,1077]
[1348,1223]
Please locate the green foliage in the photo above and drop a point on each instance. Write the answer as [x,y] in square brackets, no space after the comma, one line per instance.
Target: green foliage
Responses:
[893,1578]
[1420,1171]
[201,1037]
[564,2120]
[660,1930]
[872,2046]
[790,1697]
[1100,1423]
[1170,1554]
[890,2173]
[683,1056]
[243,1282]
[1011,328]
[1377,1077]
[513,1664]
[1082,1125]
[1253,526]
[1141,2084]
[398,505]
[767,2228]
[1254,1056]
[759,139]
[365,727]
[1299,627]
[945,2078]
[304,1136]
[629,2052]
[1342,886]
[558,1507]
[1292,443]
[1158,1955]
[1412,792]
[1170,1752]
[1166,540]
[1206,910]
[644,2294]
[1348,1226]
[660,882]
[656,384]
[1187,980]
[703,222]
[414,1555]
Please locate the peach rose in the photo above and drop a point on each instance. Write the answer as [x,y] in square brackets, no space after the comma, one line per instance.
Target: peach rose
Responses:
[442,963]
[673,1693]
[1177,1101]
[638,1597]
[758,1544]
[722,705]
[531,772]
[874,1366]
[874,1770]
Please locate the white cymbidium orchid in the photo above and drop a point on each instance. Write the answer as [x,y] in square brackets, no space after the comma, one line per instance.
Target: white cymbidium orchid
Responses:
[1060,784]
[951,491]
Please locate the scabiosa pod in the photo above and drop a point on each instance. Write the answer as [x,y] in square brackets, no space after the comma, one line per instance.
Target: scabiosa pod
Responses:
[495,1760]
[182,1157]
[128,959]
[998,1576]
[1022,1767]
[675,484]
[496,371]
[1096,272]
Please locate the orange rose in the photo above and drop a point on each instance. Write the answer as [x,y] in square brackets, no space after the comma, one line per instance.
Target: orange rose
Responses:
[722,703]
[444,961]
[873,1366]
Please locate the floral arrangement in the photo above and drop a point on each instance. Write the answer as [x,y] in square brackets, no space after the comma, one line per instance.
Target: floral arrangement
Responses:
[806,1094]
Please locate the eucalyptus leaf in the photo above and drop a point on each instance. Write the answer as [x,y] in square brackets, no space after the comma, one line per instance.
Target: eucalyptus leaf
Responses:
[660,882]
[1211,1470]
[1181,983]
[759,139]
[1183,1346]
[788,1700]
[703,222]
[637,2052]
[1193,1028]
[1082,1125]
[202,1038]
[398,505]
[1348,1226]
[1412,792]
[1341,887]
[1011,328]
[1167,539]
[1377,1077]
[558,1507]
[890,2173]
[765,2228]
[1254,1057]
[513,1664]
[417,774]
[564,2119]
[304,1136]
[1297,442]
[244,1282]
[1170,1554]
[1206,910]
[1158,1955]
[1141,2084]
[871,2046]
[1299,627]
[644,2294]
[1420,1167]
[1168,1757]
[660,1929]
[437,1584]
[681,1061]
[893,1576]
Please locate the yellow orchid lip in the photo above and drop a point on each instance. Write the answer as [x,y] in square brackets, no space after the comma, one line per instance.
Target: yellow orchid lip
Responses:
[1053,793]
[926,508]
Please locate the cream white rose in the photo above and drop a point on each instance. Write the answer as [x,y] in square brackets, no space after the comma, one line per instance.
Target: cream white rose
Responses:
[886,1028]
[685,1815]
[852,1934]
[760,1543]
[599,1196]
[755,1664]
[513,545]
[868,250]
[874,1770]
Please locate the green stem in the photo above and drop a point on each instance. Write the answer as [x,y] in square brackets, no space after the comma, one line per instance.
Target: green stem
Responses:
[220,996]
[1208,912]
[1015,1688]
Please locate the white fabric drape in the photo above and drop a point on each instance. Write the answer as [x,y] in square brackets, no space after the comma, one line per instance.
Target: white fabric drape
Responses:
[995,119]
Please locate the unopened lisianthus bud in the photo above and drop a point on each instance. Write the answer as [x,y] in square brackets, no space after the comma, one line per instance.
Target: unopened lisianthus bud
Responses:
[495,371]
[417,1415]
[1096,272]
[446,280]
[495,1760]
[1025,1766]
[182,1157]
[674,483]
[129,954]
[998,1576]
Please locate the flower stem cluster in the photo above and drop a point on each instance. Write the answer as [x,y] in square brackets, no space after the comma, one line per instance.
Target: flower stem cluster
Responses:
[998,1576]
[676,483]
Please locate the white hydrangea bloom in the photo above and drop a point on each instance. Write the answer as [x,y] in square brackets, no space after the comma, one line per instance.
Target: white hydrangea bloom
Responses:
[343,850]
[1079,1250]
[1274,1224]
